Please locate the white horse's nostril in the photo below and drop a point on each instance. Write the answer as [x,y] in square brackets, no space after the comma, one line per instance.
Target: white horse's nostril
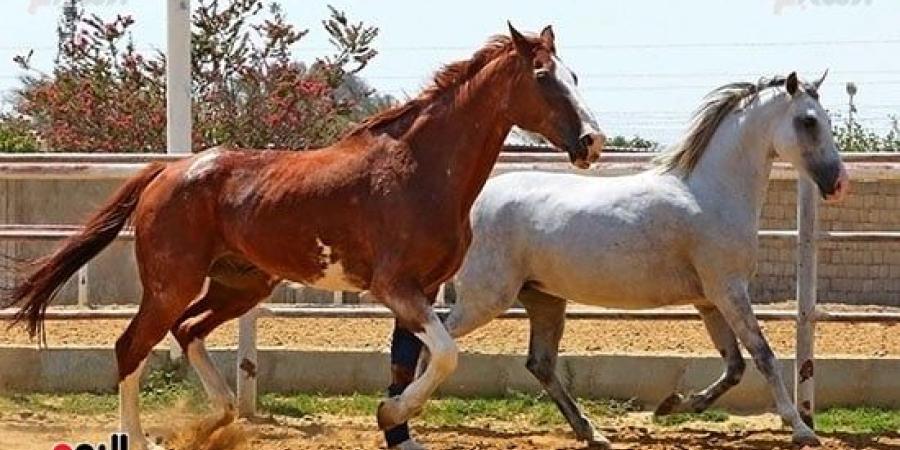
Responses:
[841,187]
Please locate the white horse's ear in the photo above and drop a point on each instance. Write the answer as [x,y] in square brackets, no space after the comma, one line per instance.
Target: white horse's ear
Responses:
[792,84]
[818,83]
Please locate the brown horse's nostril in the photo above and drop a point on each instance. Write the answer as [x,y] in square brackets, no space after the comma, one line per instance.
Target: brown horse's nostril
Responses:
[587,141]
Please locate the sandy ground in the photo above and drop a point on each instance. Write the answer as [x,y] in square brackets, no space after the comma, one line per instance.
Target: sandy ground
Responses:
[182,432]
[502,336]
[43,430]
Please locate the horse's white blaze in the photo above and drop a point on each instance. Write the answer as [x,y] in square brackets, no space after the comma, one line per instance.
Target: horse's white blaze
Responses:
[564,76]
[333,277]
[204,164]
[212,380]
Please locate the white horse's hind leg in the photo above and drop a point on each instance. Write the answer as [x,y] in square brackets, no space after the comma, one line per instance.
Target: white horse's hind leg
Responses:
[129,410]
[726,342]
[547,315]
[733,300]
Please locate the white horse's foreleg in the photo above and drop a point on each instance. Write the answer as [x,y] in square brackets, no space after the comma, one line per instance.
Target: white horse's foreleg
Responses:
[547,315]
[726,342]
[444,355]
[129,410]
[733,300]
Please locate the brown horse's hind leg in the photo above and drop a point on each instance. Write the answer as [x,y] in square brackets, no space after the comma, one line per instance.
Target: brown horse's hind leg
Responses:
[157,312]
[726,342]
[170,284]
[546,315]
[219,304]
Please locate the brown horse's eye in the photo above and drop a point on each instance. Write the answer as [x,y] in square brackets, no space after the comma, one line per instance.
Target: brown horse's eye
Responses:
[541,74]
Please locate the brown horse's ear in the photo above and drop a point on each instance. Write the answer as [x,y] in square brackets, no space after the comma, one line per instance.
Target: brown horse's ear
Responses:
[792,84]
[523,46]
[548,37]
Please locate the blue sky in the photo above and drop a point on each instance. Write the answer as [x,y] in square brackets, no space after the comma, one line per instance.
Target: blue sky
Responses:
[643,64]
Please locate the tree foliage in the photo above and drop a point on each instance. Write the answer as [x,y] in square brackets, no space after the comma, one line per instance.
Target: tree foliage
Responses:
[851,136]
[247,90]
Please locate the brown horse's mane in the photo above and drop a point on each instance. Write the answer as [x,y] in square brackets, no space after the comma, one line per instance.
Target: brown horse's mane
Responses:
[446,80]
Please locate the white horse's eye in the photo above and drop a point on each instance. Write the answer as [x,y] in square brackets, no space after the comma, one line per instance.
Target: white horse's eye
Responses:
[809,122]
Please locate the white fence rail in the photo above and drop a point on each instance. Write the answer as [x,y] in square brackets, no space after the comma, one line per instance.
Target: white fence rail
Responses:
[116,166]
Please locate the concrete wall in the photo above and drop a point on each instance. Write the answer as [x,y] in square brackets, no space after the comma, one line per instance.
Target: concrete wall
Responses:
[839,381]
[848,272]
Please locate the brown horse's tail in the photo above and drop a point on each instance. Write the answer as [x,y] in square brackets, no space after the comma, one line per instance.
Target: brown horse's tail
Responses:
[36,291]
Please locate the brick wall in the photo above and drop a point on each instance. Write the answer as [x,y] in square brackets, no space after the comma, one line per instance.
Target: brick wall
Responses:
[849,272]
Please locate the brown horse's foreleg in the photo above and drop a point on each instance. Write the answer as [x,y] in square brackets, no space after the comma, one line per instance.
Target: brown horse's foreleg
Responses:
[414,312]
[547,315]
[726,342]
[219,304]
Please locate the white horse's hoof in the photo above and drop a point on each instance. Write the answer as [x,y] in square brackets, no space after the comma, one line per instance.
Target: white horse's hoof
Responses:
[599,443]
[409,444]
[805,436]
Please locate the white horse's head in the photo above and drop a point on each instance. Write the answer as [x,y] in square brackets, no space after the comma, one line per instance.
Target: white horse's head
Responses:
[803,137]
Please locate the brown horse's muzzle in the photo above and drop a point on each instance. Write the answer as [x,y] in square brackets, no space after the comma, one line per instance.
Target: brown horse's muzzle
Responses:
[588,150]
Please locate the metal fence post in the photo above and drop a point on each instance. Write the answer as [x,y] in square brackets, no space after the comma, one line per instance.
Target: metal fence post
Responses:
[178,76]
[247,364]
[83,287]
[804,364]
[441,298]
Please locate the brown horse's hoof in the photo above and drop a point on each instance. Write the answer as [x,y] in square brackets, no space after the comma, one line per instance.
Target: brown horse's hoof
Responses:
[670,405]
[389,413]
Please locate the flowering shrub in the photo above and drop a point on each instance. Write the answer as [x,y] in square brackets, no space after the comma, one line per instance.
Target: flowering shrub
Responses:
[16,135]
[103,95]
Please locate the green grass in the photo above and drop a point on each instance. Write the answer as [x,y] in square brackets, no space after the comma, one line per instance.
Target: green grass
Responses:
[449,411]
[161,389]
[709,416]
[305,405]
[858,420]
[169,387]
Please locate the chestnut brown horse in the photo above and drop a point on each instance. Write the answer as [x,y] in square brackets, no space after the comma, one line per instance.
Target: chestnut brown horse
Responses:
[386,209]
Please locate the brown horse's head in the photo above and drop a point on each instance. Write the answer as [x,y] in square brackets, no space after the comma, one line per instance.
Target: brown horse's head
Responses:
[546,100]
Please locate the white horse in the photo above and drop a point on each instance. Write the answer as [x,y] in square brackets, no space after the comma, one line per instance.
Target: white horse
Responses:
[684,233]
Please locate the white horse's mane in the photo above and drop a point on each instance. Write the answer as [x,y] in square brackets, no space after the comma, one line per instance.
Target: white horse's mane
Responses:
[684,155]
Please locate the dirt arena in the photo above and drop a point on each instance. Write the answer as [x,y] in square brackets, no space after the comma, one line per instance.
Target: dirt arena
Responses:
[582,336]
[182,432]
[636,431]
